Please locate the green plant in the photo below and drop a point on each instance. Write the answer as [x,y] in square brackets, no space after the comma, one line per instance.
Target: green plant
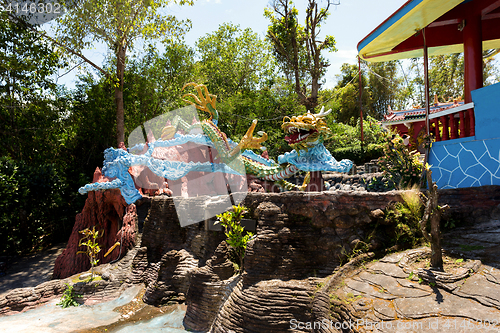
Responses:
[32,195]
[89,240]
[379,182]
[450,223]
[236,235]
[68,298]
[406,216]
[466,247]
[402,166]
[458,261]
[410,276]
[358,154]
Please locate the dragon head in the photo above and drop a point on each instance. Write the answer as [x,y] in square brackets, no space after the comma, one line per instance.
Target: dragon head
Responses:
[307,130]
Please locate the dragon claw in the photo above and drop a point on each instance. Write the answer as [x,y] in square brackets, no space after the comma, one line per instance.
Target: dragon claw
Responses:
[249,141]
[203,99]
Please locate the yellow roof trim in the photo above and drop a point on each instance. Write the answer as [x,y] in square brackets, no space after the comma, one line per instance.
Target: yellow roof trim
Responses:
[393,32]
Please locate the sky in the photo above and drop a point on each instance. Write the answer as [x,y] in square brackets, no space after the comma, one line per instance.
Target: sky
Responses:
[349,22]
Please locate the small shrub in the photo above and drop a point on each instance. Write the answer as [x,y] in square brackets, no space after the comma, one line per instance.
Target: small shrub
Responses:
[403,167]
[406,216]
[33,206]
[89,240]
[236,235]
[69,297]
[359,155]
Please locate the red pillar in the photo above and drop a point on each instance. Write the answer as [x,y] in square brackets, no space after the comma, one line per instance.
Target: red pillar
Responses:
[436,129]
[473,60]
[453,127]
[462,124]
[444,120]
[473,53]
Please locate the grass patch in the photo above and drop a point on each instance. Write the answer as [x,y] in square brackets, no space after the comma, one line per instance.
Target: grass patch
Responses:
[465,247]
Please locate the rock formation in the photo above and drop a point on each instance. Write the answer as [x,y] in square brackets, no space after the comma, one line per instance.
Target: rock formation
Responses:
[107,211]
[301,238]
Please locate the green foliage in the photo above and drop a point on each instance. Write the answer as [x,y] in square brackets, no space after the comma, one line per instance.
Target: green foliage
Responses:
[406,230]
[345,135]
[69,297]
[357,154]
[237,238]
[234,61]
[377,183]
[238,67]
[119,25]
[405,216]
[403,167]
[33,206]
[30,104]
[154,82]
[300,49]
[89,240]
[385,88]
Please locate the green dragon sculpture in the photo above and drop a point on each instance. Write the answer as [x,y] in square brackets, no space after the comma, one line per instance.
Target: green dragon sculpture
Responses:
[306,134]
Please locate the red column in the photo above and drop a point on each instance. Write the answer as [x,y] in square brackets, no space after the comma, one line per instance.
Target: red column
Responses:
[444,120]
[453,127]
[436,129]
[473,53]
[473,59]
[462,124]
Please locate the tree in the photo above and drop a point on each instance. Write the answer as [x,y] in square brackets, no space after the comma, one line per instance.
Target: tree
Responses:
[345,103]
[154,82]
[239,67]
[118,24]
[233,60]
[446,76]
[30,116]
[385,87]
[298,48]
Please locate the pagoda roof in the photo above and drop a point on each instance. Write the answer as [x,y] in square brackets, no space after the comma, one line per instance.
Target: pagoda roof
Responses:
[399,36]
[418,114]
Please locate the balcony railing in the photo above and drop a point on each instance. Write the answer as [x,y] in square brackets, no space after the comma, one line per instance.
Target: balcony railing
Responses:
[453,123]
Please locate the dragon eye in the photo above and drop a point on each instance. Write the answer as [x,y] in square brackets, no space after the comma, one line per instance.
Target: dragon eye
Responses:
[307,120]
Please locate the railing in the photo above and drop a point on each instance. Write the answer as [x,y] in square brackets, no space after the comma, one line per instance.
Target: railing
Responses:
[453,123]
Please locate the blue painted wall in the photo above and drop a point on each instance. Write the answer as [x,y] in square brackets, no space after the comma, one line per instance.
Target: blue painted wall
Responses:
[473,161]
[487,111]
[465,162]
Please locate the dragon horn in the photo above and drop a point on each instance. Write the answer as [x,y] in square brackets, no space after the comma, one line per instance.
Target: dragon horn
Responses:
[322,113]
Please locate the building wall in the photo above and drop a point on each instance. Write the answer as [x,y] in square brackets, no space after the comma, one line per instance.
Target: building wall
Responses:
[472,161]
[465,162]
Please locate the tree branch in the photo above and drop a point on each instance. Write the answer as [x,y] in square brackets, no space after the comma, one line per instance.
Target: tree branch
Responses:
[70,50]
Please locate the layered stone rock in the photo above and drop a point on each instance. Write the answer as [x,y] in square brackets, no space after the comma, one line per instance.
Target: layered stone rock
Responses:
[301,239]
[169,253]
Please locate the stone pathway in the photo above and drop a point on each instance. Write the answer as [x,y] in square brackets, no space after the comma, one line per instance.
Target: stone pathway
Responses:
[31,271]
[384,298]
[480,241]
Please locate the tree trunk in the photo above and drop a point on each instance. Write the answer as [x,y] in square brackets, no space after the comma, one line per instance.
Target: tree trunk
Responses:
[120,111]
[432,214]
[436,252]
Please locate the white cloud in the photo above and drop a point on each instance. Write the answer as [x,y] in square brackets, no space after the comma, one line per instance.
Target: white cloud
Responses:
[348,55]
